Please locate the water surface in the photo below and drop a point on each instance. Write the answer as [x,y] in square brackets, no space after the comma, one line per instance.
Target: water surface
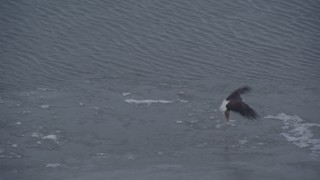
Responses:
[131,90]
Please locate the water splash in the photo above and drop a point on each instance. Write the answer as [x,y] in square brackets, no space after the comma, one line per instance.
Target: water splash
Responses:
[299,133]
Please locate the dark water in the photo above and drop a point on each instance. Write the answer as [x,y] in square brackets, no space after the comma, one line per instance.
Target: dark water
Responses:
[131,89]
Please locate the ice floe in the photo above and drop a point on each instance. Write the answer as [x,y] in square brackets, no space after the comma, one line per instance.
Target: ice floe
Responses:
[51,136]
[243,141]
[126,94]
[45,106]
[14,145]
[9,155]
[44,89]
[146,101]
[298,132]
[36,135]
[53,165]
[183,101]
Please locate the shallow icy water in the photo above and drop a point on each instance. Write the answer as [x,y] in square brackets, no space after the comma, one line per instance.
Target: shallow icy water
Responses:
[91,131]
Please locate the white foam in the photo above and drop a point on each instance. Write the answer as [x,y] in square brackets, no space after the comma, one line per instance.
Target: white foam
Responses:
[147,101]
[223,106]
[297,132]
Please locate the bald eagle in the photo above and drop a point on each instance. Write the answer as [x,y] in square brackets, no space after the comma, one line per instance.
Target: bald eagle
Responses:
[235,103]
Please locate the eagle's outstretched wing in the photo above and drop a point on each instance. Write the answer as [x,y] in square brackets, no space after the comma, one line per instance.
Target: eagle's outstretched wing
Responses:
[242,108]
[236,94]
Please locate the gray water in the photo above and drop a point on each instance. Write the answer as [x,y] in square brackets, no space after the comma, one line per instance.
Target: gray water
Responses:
[131,89]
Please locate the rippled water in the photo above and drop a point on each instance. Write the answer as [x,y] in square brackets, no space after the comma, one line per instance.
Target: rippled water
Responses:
[132,89]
